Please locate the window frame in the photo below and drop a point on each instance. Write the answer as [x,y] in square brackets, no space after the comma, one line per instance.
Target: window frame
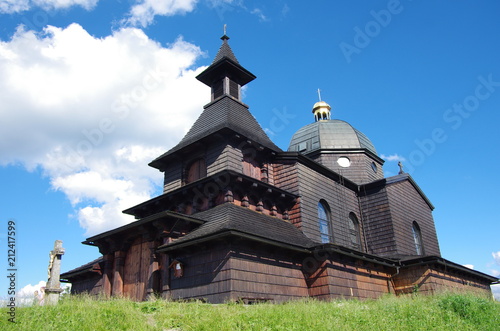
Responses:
[324,223]
[417,238]
[354,231]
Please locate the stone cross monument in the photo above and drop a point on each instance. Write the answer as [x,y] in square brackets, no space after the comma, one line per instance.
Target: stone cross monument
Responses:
[53,287]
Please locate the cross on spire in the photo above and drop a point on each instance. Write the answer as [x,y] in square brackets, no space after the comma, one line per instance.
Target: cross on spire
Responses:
[319,94]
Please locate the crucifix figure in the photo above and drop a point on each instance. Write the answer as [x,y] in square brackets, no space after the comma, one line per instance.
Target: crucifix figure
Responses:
[53,287]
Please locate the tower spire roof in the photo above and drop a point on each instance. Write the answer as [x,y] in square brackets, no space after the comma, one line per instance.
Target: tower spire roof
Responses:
[225,50]
[225,64]
[226,112]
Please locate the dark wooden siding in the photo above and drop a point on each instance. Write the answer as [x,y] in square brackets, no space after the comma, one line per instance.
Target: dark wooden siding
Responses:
[432,279]
[263,274]
[407,206]
[206,276]
[349,278]
[172,177]
[91,285]
[360,171]
[379,232]
[314,187]
[223,156]
[136,270]
[218,156]
[238,272]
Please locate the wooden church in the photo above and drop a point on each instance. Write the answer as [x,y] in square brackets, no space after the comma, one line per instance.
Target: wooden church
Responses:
[242,220]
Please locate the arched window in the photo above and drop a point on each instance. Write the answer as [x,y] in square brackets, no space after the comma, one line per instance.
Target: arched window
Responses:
[196,170]
[354,231]
[417,238]
[324,222]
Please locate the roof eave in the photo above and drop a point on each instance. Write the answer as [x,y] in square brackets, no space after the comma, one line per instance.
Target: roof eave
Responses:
[91,240]
[425,260]
[222,67]
[228,233]
[160,161]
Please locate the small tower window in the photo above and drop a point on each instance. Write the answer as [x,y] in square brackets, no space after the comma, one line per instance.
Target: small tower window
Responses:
[324,222]
[196,170]
[417,238]
[217,89]
[354,231]
[234,89]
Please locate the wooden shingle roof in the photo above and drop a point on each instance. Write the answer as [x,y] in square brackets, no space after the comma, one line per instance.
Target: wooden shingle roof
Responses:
[224,113]
[229,218]
[225,51]
[86,268]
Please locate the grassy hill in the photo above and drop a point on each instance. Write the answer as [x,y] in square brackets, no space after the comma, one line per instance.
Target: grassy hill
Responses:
[441,312]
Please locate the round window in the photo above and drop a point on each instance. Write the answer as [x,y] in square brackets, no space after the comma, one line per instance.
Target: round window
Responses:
[374,167]
[344,162]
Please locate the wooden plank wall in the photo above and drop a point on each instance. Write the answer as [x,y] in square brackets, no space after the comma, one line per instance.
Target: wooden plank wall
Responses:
[232,273]
[314,187]
[360,171]
[266,275]
[91,285]
[206,275]
[407,205]
[379,230]
[341,278]
[286,178]
[222,156]
[430,280]
[136,270]
[218,155]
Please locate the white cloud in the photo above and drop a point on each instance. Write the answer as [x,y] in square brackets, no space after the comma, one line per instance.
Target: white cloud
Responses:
[17,6]
[393,157]
[496,256]
[26,295]
[144,12]
[13,6]
[222,6]
[61,4]
[92,112]
[258,12]
[470,266]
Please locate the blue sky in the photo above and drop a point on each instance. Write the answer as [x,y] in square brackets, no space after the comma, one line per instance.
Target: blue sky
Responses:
[91,91]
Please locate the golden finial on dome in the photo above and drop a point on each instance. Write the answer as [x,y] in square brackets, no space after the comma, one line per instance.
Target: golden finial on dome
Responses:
[321,109]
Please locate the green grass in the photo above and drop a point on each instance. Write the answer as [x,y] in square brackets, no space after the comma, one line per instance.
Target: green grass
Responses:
[441,312]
